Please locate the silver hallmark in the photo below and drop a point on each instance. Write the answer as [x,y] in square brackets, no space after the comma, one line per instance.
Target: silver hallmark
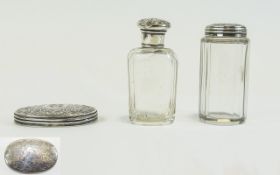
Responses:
[31,155]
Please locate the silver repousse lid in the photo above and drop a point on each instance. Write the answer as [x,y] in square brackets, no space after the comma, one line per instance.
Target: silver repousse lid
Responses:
[52,115]
[31,156]
[55,111]
[226,29]
[153,24]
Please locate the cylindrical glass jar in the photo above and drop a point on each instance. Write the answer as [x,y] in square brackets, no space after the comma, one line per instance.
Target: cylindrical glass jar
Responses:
[223,74]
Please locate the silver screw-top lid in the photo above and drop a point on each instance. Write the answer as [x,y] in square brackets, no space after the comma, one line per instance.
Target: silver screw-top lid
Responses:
[226,29]
[153,24]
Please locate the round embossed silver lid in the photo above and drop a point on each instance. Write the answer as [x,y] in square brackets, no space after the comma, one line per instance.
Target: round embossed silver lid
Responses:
[226,30]
[56,111]
[55,115]
[153,24]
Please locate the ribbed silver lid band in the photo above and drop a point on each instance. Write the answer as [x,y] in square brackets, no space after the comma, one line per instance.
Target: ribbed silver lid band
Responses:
[226,30]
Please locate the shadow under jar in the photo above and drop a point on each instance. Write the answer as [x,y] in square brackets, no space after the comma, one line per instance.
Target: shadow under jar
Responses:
[152,71]
[223,74]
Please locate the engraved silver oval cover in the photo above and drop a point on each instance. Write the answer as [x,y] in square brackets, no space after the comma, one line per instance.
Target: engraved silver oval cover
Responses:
[31,155]
[55,110]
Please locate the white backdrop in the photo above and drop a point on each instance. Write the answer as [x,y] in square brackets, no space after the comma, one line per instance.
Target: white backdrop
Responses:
[67,51]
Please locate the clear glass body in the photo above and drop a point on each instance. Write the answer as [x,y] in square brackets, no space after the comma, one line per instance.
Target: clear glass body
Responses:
[152,85]
[223,80]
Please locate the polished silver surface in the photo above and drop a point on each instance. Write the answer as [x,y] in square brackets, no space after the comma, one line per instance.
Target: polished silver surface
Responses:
[54,124]
[226,30]
[55,111]
[153,24]
[31,155]
[73,119]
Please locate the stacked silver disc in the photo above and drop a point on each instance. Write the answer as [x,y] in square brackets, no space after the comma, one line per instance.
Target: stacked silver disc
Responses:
[55,115]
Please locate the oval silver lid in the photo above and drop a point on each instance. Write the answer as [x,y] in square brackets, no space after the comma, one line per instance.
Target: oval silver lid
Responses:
[226,29]
[57,111]
[31,155]
[153,24]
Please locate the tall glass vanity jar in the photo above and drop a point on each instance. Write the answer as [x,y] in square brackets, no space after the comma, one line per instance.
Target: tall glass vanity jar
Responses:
[152,71]
[223,74]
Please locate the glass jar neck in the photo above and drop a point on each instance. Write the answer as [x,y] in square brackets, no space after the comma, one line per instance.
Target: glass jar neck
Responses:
[153,39]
